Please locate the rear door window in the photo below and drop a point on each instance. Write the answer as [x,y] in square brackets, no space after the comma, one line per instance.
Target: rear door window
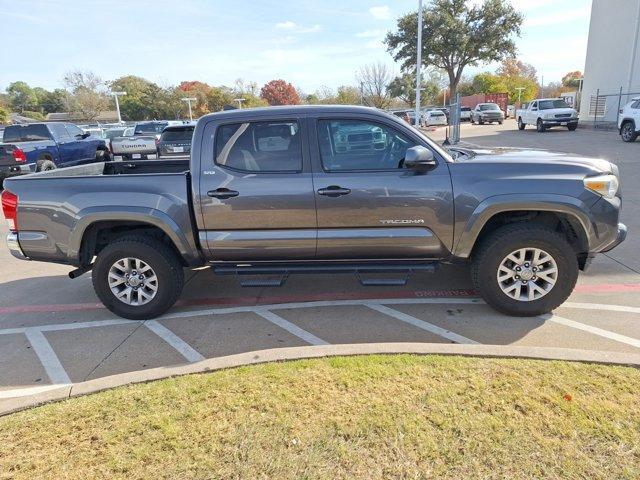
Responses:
[260,146]
[26,133]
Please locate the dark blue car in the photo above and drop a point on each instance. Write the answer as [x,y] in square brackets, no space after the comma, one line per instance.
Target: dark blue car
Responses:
[45,146]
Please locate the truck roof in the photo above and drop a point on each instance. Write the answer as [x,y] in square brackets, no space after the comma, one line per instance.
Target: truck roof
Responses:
[296,110]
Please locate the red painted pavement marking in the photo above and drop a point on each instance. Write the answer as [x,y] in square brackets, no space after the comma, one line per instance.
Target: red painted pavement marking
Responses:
[253,300]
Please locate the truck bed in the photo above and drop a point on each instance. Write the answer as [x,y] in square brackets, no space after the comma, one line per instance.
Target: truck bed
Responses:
[65,201]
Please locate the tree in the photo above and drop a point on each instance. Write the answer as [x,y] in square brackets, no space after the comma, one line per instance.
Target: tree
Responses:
[200,91]
[572,79]
[5,116]
[144,100]
[488,83]
[374,79]
[88,96]
[456,34]
[248,92]
[404,87]
[279,92]
[22,97]
[519,80]
[347,95]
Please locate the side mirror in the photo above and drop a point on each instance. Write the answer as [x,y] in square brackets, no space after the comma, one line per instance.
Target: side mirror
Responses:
[419,158]
[83,135]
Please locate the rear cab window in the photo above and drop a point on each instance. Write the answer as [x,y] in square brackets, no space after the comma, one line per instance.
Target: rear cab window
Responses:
[181,134]
[26,133]
[149,128]
[265,146]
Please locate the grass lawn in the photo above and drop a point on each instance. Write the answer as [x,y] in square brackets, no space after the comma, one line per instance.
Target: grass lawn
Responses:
[375,417]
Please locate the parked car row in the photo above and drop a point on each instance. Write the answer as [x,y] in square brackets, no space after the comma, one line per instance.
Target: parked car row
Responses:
[45,146]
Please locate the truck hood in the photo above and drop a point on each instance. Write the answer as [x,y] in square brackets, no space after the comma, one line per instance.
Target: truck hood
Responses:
[533,157]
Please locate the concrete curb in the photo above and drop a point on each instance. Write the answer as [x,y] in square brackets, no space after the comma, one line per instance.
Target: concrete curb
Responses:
[296,353]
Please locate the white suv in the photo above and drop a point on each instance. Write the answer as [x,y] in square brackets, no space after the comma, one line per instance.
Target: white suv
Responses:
[629,120]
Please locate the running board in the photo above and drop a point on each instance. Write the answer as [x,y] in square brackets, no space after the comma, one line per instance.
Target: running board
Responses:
[362,271]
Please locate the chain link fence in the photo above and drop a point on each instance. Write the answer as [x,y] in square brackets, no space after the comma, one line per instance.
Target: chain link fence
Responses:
[604,107]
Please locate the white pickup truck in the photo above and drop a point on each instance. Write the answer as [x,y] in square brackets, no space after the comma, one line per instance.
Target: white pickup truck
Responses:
[545,113]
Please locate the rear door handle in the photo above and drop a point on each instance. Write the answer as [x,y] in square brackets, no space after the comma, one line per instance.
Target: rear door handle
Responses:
[334,191]
[222,193]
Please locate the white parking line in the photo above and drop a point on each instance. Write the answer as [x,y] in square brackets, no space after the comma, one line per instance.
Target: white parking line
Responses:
[68,326]
[25,392]
[634,342]
[323,303]
[600,306]
[416,322]
[47,356]
[289,327]
[186,350]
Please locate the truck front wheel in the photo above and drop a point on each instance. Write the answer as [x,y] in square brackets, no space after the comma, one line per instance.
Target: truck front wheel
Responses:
[525,270]
[138,277]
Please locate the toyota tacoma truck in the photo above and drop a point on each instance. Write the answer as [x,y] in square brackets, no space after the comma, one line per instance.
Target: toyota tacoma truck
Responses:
[281,190]
[546,113]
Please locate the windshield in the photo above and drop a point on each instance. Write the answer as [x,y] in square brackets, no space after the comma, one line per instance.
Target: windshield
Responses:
[549,104]
[149,128]
[489,106]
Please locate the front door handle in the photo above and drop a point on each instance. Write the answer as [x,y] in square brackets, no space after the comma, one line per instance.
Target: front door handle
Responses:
[334,191]
[222,193]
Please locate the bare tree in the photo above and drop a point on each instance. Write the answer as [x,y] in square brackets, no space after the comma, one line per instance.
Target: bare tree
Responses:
[88,94]
[373,79]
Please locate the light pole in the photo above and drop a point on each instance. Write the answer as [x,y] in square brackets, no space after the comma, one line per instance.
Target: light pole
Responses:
[116,95]
[520,89]
[239,100]
[189,100]
[418,64]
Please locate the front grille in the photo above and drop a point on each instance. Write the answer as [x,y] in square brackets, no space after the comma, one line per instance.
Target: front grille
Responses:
[563,115]
[360,137]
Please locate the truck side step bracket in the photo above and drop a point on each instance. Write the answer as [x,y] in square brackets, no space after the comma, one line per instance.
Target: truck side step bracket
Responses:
[277,274]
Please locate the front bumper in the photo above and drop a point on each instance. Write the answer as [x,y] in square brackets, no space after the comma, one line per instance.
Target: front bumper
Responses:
[551,122]
[620,237]
[14,246]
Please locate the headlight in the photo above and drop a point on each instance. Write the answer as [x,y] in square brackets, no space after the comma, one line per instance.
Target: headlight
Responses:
[605,185]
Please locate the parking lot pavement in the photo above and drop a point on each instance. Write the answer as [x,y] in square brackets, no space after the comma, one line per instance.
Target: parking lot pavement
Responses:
[53,331]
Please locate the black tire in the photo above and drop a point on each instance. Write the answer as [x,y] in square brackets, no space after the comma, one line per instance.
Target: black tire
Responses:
[160,257]
[628,132]
[572,127]
[44,165]
[521,124]
[480,121]
[500,122]
[471,119]
[540,128]
[502,242]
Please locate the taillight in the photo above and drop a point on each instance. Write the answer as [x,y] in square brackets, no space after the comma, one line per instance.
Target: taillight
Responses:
[19,156]
[10,209]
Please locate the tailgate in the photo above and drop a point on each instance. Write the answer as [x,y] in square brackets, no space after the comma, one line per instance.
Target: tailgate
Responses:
[6,155]
[128,145]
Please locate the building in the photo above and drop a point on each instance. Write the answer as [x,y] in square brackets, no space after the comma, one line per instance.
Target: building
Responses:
[612,67]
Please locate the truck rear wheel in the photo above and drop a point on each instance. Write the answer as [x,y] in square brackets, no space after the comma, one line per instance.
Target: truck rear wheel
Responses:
[138,277]
[525,270]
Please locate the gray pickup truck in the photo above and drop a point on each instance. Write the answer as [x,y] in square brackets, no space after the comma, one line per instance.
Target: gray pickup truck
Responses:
[270,192]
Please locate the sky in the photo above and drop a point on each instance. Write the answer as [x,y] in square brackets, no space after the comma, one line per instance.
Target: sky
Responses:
[309,43]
